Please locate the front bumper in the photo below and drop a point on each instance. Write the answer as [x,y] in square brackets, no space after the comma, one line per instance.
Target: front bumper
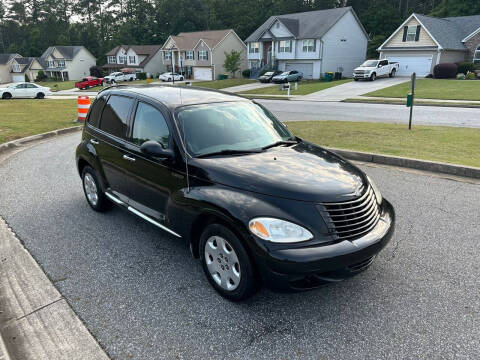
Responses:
[361,76]
[310,267]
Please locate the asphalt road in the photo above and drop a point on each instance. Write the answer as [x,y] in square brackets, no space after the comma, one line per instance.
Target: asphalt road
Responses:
[384,113]
[143,297]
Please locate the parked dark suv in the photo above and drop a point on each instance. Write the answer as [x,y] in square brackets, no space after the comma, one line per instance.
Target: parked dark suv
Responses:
[255,202]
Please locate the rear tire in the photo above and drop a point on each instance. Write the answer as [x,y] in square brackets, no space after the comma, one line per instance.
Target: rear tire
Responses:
[40,96]
[181,78]
[393,73]
[226,263]
[93,191]
[6,96]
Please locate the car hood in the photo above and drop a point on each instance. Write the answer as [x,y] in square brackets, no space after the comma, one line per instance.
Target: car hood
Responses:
[303,172]
[364,68]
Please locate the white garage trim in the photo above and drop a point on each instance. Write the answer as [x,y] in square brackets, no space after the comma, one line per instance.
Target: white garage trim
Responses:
[202,73]
[18,78]
[420,64]
[305,68]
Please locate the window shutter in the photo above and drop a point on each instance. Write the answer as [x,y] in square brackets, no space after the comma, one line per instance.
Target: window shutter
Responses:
[417,35]
[206,52]
[314,45]
[405,29]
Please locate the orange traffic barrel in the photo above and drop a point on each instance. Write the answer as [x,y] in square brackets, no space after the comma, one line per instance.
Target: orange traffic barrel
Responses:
[83,103]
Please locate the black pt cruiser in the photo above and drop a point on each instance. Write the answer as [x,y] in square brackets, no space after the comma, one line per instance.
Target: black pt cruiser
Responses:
[256,203]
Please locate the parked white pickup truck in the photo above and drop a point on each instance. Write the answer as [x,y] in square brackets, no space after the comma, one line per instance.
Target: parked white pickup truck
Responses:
[120,76]
[371,69]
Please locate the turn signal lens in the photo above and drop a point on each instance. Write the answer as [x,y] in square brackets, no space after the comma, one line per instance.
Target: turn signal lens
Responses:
[278,231]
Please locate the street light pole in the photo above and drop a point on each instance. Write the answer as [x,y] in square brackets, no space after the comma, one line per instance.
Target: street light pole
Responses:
[173,66]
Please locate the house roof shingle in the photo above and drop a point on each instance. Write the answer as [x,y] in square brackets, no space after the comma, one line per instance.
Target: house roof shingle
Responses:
[68,52]
[5,58]
[304,25]
[188,40]
[449,32]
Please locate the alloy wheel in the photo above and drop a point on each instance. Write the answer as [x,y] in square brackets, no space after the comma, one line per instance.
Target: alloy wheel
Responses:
[222,263]
[90,189]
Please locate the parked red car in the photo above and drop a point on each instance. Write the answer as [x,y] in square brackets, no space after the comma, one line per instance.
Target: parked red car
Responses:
[89,81]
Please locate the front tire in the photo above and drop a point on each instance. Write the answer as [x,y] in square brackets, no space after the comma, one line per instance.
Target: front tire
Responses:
[226,263]
[181,78]
[93,191]
[40,96]
[373,77]
[355,79]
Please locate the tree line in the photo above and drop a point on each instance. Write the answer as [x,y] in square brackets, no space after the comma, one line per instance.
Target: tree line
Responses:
[28,27]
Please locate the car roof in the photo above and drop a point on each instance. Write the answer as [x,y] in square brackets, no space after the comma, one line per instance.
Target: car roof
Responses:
[175,96]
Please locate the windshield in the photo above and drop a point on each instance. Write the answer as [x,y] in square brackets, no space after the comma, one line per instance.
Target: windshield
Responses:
[241,126]
[370,63]
[285,73]
[268,73]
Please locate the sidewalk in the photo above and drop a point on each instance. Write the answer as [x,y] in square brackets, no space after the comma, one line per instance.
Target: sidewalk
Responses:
[36,322]
[403,100]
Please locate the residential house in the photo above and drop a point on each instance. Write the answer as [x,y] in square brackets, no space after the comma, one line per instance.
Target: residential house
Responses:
[67,62]
[422,41]
[25,68]
[312,42]
[201,54]
[6,67]
[140,58]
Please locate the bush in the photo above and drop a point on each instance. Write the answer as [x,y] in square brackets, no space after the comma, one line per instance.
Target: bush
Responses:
[96,71]
[465,67]
[470,76]
[246,73]
[41,76]
[445,71]
[460,76]
[142,76]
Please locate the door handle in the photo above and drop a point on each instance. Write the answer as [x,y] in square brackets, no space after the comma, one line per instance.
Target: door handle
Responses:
[126,157]
[94,142]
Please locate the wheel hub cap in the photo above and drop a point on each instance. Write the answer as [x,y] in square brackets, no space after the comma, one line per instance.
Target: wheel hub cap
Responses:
[222,263]
[90,189]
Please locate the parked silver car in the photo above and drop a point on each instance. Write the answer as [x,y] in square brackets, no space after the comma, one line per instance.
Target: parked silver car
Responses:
[288,76]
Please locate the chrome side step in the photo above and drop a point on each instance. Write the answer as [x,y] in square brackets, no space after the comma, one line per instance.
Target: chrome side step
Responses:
[142,215]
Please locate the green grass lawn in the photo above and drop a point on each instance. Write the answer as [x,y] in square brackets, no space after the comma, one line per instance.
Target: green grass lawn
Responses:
[58,85]
[304,87]
[434,89]
[222,84]
[20,118]
[435,143]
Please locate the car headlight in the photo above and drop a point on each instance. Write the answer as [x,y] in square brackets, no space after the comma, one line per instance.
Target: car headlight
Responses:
[377,192]
[278,231]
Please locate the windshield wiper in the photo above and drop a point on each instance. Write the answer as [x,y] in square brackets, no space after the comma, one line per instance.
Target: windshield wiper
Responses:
[230,152]
[281,142]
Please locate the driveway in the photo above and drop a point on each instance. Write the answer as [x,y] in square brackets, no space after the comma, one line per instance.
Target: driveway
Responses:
[384,113]
[247,87]
[351,89]
[143,297]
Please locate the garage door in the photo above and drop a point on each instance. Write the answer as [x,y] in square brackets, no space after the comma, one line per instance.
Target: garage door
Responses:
[18,78]
[305,68]
[202,73]
[414,64]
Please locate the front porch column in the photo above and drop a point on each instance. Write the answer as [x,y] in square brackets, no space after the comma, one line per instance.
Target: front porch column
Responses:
[61,73]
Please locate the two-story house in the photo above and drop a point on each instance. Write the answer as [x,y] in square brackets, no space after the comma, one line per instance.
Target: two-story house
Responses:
[25,68]
[201,54]
[312,42]
[6,67]
[67,62]
[423,41]
[139,58]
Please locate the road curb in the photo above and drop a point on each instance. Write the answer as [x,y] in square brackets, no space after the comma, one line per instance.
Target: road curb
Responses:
[417,103]
[37,322]
[22,141]
[436,167]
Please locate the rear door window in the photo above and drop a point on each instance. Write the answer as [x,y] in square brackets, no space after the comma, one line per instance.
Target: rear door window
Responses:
[115,115]
[150,125]
[96,111]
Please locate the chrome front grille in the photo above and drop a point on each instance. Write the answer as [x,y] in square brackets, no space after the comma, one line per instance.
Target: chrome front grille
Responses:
[349,220]
[359,72]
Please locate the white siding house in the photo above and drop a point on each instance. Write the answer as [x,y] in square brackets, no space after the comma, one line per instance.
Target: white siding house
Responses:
[312,42]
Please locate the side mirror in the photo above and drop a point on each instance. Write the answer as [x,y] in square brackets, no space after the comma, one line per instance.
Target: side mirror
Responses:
[154,148]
